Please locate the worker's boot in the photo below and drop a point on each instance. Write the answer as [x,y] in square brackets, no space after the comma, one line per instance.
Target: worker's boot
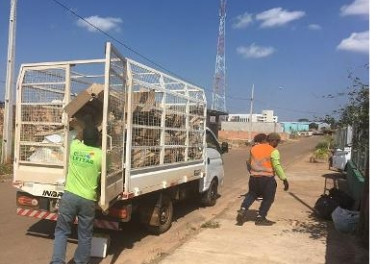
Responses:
[263,221]
[241,216]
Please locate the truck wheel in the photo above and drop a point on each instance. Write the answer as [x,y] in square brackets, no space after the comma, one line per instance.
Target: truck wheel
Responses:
[164,216]
[210,196]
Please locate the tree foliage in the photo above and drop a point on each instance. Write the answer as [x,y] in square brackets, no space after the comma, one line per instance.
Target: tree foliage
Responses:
[356,112]
[328,119]
[313,126]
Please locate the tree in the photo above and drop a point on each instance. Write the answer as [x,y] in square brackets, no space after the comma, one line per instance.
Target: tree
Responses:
[303,120]
[328,119]
[356,112]
[313,126]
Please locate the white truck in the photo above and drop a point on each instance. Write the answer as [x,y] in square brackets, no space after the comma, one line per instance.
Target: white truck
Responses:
[154,134]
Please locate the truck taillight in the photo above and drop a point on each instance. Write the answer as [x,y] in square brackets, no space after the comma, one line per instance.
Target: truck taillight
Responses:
[27,201]
[119,212]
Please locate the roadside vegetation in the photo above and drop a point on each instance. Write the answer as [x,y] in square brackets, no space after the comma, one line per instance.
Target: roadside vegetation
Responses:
[355,113]
[4,168]
[323,149]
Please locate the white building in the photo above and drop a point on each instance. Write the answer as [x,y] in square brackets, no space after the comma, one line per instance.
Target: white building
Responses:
[267,116]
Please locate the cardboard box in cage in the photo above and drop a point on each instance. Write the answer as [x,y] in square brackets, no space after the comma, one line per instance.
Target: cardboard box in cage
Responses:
[92,92]
[100,245]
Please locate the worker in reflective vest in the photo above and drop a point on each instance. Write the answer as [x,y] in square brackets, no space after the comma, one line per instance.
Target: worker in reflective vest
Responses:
[264,165]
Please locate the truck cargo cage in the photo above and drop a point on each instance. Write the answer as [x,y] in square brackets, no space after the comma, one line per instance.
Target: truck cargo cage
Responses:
[147,118]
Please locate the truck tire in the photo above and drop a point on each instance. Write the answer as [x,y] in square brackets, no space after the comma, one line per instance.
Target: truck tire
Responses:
[210,196]
[165,216]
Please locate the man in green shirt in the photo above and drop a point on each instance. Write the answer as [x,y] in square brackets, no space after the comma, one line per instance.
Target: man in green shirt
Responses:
[80,197]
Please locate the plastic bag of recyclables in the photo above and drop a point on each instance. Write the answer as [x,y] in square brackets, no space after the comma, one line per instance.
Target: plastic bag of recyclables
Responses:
[345,221]
[49,155]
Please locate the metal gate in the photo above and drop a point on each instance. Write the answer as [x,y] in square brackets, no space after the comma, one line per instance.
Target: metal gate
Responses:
[41,126]
[113,126]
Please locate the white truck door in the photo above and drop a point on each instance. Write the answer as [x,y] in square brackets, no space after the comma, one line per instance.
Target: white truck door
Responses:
[214,161]
[113,127]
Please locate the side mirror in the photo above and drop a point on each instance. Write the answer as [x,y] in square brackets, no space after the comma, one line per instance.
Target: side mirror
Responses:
[224,147]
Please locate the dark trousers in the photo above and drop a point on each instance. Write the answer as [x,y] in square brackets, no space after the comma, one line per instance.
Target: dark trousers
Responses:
[264,187]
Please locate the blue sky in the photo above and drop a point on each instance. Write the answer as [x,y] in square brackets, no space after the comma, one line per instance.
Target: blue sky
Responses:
[296,52]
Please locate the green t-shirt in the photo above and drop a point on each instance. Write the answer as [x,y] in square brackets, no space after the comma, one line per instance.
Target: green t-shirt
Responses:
[84,170]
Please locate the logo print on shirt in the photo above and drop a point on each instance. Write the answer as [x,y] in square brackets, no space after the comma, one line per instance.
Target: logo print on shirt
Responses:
[82,158]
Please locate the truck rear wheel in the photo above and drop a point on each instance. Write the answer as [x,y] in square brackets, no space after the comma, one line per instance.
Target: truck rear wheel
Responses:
[210,196]
[164,212]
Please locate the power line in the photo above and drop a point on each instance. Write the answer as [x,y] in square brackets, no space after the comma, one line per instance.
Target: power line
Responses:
[120,42]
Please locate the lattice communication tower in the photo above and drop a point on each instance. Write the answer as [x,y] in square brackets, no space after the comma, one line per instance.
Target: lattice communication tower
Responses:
[218,93]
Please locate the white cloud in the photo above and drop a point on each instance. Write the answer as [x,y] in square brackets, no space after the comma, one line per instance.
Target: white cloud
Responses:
[276,17]
[358,7]
[244,20]
[314,27]
[357,42]
[254,51]
[103,23]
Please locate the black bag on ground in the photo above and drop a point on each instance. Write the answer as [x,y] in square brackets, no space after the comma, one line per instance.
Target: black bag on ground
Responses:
[344,200]
[325,205]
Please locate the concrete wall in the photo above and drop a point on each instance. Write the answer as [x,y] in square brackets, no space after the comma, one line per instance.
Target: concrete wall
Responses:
[260,127]
[243,135]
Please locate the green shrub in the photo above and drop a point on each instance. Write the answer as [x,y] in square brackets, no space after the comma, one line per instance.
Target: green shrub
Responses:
[322,150]
[321,154]
[323,145]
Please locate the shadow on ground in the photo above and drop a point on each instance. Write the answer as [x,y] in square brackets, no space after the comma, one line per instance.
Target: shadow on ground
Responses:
[340,247]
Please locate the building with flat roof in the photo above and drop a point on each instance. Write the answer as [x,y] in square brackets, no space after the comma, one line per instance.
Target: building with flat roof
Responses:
[267,116]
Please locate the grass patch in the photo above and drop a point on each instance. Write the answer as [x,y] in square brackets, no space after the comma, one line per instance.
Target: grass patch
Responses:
[6,169]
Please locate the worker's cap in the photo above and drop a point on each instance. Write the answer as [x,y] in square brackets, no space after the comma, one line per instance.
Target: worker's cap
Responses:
[273,136]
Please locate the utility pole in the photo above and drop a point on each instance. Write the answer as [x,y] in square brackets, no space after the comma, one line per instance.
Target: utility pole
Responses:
[8,106]
[251,112]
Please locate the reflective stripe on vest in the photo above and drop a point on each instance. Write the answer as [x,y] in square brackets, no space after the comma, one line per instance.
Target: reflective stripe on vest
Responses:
[261,160]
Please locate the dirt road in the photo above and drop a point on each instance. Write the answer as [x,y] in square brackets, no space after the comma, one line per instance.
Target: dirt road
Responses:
[26,240]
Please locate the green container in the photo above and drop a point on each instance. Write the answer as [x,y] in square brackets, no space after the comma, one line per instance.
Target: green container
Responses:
[355,182]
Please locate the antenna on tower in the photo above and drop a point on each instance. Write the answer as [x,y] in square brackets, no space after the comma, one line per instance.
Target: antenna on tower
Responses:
[218,93]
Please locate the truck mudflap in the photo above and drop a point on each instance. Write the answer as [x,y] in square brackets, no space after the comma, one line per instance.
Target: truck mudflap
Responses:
[41,214]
